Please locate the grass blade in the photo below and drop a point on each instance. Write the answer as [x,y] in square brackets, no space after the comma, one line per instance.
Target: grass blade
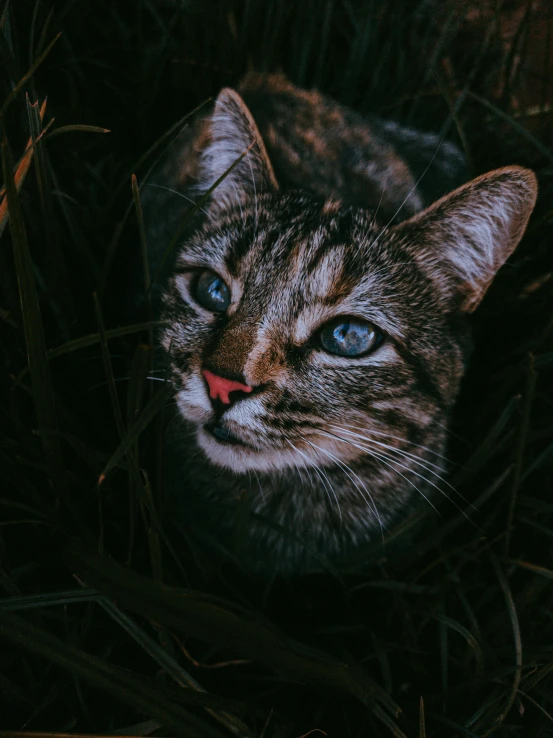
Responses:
[142,232]
[192,212]
[43,393]
[118,415]
[20,174]
[149,412]
[141,695]
[55,269]
[544,151]
[467,635]
[77,128]
[487,447]
[13,94]
[531,377]
[169,665]
[30,602]
[511,609]
[230,628]
[91,339]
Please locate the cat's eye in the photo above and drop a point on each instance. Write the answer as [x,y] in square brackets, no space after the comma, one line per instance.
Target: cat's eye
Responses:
[349,336]
[211,292]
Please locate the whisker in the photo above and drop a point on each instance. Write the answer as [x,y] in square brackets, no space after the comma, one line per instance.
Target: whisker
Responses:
[375,215]
[346,469]
[309,475]
[385,459]
[297,468]
[259,485]
[399,438]
[307,469]
[384,190]
[322,476]
[124,379]
[440,490]
[428,465]
[415,460]
[388,224]
[254,192]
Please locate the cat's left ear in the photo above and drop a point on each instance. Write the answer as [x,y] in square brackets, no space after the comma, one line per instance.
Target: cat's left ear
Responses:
[465,237]
[234,134]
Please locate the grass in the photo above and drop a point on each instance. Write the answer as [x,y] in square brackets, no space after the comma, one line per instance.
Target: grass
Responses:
[108,625]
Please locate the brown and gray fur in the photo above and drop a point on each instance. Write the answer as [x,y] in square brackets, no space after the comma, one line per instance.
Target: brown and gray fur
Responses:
[322,217]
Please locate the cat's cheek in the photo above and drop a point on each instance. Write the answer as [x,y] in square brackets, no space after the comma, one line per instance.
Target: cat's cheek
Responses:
[183,340]
[192,400]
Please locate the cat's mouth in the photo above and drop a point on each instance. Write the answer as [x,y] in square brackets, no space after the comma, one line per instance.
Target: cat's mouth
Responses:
[222,434]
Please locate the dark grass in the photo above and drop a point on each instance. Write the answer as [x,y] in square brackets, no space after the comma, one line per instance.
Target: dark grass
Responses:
[110,624]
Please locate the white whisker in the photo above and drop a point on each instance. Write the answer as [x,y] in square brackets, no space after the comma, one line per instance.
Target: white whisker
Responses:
[385,459]
[259,485]
[389,223]
[399,438]
[421,476]
[346,469]
[426,465]
[375,214]
[254,191]
[322,476]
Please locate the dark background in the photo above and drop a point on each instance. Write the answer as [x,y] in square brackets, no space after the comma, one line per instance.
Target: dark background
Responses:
[452,636]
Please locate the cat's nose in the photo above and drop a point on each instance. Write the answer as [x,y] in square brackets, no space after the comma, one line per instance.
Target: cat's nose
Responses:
[220,388]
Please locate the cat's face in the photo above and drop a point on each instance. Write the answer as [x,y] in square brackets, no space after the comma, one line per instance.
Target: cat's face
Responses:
[327,317]
[303,334]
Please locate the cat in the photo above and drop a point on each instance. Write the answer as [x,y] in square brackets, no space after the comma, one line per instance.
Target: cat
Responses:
[314,317]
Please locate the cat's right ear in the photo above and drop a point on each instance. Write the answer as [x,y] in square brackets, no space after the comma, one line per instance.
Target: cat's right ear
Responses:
[235,152]
[465,237]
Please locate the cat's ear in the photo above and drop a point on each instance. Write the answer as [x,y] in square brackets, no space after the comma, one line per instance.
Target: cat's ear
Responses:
[234,134]
[465,237]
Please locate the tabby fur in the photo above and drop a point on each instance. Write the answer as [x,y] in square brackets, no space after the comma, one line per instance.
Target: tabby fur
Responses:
[319,215]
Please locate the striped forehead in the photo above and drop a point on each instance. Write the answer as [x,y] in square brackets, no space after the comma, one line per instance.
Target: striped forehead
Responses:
[323,281]
[299,294]
[289,268]
[365,297]
[313,267]
[310,263]
[324,277]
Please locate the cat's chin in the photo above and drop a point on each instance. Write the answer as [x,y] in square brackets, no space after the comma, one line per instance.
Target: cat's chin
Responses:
[239,457]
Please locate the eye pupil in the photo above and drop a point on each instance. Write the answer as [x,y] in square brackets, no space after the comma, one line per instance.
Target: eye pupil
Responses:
[343,331]
[211,292]
[215,290]
[349,337]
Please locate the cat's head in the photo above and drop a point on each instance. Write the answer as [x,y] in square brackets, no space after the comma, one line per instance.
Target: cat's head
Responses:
[297,328]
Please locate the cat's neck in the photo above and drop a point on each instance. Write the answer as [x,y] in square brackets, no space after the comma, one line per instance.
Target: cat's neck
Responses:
[284,509]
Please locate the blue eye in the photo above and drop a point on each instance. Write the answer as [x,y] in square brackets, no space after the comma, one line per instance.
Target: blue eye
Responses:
[211,292]
[347,336]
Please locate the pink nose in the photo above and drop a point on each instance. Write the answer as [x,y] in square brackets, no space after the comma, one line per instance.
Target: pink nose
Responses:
[220,388]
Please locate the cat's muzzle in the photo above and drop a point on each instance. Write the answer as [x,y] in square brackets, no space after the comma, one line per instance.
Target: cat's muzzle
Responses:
[222,434]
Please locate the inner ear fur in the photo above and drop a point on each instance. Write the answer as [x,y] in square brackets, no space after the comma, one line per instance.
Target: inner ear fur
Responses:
[233,133]
[466,236]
